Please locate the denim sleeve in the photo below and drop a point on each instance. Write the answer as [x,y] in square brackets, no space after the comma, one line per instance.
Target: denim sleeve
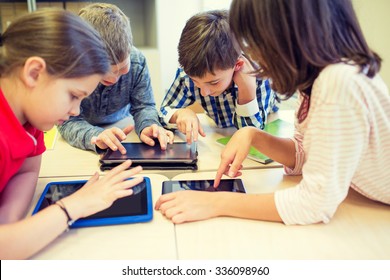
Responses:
[143,107]
[78,133]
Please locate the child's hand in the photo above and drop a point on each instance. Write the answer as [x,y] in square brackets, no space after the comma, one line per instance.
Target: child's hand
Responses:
[154,131]
[188,123]
[245,81]
[235,153]
[99,193]
[111,138]
[187,206]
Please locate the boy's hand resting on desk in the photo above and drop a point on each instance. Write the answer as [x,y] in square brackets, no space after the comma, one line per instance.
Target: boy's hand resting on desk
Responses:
[112,138]
[99,193]
[154,131]
[188,123]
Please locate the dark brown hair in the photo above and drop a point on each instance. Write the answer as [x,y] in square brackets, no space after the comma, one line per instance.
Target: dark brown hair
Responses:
[206,44]
[70,46]
[293,40]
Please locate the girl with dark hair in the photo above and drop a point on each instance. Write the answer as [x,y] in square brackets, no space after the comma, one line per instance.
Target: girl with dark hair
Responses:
[342,131]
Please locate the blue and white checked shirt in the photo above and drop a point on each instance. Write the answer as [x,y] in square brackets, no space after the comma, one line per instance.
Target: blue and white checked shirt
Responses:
[223,109]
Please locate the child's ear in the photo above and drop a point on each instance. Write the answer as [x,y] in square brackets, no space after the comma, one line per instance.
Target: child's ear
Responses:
[32,69]
[239,64]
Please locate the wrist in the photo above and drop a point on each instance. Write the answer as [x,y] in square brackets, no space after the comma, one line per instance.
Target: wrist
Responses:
[73,207]
[69,219]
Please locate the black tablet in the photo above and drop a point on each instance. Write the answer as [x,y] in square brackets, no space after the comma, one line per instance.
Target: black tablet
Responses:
[226,185]
[135,208]
[142,153]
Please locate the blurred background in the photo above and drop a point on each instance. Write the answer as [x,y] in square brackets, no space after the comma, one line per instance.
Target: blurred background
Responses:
[157,25]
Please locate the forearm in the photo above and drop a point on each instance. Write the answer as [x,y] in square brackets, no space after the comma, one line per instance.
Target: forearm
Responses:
[23,239]
[17,197]
[247,92]
[279,149]
[250,114]
[79,134]
[249,206]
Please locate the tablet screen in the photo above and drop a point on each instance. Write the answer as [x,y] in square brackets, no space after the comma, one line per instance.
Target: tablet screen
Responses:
[228,185]
[139,152]
[133,208]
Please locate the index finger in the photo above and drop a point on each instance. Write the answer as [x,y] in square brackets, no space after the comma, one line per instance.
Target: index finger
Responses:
[221,170]
[155,130]
[189,131]
[163,139]
[195,130]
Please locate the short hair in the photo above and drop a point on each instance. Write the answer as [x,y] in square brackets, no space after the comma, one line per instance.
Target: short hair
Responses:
[206,44]
[294,40]
[70,47]
[114,28]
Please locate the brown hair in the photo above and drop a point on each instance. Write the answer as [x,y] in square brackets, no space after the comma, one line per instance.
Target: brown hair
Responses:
[294,40]
[206,44]
[69,46]
[114,28]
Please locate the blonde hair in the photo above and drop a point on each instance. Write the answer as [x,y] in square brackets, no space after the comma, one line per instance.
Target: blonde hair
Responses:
[70,47]
[113,26]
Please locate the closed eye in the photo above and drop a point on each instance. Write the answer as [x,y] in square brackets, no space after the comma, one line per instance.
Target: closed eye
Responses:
[74,96]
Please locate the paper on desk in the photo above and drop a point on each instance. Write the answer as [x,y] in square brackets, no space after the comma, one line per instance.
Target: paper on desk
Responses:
[50,138]
[278,127]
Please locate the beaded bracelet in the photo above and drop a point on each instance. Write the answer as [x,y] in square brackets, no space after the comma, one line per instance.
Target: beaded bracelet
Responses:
[62,206]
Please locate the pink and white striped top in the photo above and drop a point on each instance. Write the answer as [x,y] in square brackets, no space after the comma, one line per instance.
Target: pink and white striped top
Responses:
[343,142]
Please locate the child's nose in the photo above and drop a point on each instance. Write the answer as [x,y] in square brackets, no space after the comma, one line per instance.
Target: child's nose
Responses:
[205,91]
[75,111]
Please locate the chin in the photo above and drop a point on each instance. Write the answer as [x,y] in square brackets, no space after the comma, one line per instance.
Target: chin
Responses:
[48,127]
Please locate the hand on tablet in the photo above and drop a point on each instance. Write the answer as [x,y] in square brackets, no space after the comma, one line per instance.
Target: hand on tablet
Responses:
[187,206]
[154,131]
[234,154]
[112,138]
[99,193]
[188,123]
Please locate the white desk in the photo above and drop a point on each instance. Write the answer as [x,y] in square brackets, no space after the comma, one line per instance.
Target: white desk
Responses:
[360,229]
[65,160]
[150,240]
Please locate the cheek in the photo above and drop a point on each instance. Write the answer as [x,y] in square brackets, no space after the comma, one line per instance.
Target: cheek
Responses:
[221,87]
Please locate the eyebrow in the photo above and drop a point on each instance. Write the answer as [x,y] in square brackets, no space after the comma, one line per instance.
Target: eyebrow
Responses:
[208,82]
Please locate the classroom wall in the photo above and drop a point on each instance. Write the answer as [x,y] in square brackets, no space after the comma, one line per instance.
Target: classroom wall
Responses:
[375,22]
[171,20]
[373,17]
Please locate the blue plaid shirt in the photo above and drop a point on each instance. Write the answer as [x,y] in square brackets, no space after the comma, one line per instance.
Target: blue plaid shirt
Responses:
[131,95]
[221,108]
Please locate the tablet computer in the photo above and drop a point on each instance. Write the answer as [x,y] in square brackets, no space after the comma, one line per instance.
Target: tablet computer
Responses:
[226,185]
[135,208]
[177,156]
